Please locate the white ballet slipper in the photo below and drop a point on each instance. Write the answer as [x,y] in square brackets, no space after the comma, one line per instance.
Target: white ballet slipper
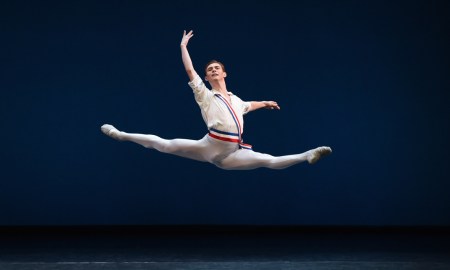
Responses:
[111,131]
[317,153]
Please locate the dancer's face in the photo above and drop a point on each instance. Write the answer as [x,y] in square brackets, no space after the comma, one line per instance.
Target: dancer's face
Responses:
[214,72]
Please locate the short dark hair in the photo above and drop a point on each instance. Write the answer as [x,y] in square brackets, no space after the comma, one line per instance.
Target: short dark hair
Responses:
[212,62]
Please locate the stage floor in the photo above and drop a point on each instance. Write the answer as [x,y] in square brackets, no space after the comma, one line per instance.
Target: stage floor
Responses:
[219,248]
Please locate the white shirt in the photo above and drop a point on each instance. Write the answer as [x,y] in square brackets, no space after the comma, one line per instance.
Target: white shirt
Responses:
[214,112]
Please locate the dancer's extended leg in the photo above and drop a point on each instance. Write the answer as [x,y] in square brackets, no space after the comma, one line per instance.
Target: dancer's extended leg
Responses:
[247,159]
[193,149]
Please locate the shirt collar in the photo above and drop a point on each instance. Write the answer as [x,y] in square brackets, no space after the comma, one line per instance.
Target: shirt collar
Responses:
[217,92]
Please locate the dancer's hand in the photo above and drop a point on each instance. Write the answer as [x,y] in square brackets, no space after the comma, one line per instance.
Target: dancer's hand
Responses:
[186,38]
[271,105]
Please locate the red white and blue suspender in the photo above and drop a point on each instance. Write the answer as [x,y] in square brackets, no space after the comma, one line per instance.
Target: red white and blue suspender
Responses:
[229,136]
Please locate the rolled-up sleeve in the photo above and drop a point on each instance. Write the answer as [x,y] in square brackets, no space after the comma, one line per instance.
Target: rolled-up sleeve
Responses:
[200,90]
[246,107]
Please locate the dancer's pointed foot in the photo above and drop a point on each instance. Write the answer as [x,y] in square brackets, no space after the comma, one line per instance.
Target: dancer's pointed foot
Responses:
[317,153]
[111,131]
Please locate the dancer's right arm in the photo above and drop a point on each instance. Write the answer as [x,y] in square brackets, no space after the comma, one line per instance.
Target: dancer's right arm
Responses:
[185,55]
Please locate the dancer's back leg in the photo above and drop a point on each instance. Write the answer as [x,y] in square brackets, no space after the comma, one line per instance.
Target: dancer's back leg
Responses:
[247,159]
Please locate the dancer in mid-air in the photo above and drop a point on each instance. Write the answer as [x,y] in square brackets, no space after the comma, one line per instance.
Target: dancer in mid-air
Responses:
[223,113]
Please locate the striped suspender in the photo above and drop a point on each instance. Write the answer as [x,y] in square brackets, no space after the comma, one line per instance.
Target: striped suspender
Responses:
[236,121]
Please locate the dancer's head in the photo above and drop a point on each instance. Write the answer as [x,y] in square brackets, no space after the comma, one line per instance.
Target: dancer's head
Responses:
[214,70]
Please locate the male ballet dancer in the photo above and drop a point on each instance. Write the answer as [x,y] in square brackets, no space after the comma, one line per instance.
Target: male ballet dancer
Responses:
[223,113]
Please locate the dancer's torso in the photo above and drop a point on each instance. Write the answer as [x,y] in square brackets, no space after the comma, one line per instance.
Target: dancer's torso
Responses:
[216,112]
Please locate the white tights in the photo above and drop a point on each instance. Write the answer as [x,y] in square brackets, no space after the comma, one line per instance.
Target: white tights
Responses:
[225,155]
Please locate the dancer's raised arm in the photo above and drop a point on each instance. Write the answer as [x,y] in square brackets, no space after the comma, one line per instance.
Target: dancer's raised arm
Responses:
[185,55]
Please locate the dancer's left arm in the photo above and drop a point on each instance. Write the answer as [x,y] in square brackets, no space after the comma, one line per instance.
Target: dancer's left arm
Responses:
[255,105]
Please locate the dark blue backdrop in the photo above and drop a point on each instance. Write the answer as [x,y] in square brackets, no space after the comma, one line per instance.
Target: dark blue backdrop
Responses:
[370,79]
